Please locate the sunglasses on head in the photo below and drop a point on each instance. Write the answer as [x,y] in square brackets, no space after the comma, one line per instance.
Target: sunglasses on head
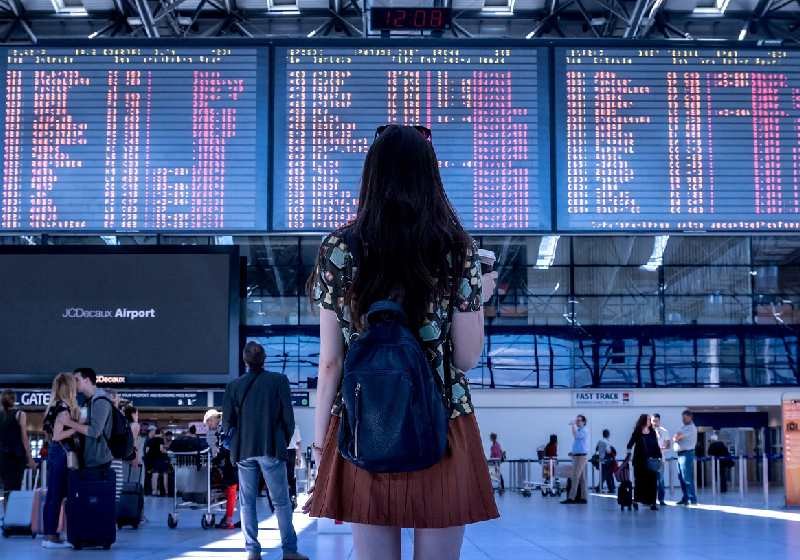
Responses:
[426,132]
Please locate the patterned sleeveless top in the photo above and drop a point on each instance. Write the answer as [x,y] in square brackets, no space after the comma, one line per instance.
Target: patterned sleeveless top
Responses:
[334,273]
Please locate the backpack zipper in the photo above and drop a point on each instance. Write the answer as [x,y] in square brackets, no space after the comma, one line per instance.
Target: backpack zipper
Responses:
[358,415]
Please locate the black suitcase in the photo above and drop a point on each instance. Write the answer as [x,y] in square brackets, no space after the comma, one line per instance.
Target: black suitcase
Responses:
[91,508]
[578,495]
[625,495]
[131,505]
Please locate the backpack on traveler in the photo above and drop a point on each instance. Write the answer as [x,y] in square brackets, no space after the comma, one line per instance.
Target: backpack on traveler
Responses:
[396,410]
[120,442]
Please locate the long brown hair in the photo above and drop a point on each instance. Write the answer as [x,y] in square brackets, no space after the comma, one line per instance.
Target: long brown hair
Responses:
[406,228]
[64,389]
[641,423]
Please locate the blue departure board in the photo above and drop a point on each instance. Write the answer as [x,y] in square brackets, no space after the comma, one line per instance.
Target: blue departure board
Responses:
[677,139]
[125,139]
[487,108]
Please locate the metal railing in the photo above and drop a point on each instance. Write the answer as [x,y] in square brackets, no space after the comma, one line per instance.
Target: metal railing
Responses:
[744,472]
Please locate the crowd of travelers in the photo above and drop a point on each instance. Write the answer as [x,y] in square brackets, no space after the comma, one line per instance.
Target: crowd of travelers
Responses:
[649,449]
[99,447]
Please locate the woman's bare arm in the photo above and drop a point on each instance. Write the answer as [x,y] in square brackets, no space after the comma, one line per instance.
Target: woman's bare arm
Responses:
[23,426]
[468,329]
[60,430]
[467,339]
[77,426]
[331,359]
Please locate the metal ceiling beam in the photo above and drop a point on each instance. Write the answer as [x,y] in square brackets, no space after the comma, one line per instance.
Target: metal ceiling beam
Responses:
[587,17]
[550,21]
[165,9]
[573,18]
[639,9]
[19,12]
[761,9]
[146,15]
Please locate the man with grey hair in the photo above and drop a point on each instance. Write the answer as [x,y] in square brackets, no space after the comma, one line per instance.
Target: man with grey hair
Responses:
[258,413]
[685,441]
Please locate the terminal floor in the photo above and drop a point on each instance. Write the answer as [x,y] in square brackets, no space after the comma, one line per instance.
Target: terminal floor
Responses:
[535,528]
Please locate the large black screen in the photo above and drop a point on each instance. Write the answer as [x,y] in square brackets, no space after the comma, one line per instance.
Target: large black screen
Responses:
[149,317]
[134,138]
[678,139]
[487,108]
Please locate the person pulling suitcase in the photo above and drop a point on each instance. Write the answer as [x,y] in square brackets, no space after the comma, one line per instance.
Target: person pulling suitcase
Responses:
[91,497]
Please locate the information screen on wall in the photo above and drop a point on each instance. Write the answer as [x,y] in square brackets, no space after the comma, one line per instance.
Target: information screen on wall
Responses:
[133,139]
[487,108]
[677,139]
[135,315]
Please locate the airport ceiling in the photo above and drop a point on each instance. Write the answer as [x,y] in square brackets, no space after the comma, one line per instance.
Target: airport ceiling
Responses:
[774,22]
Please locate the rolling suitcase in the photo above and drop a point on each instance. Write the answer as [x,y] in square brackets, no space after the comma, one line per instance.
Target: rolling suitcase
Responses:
[37,511]
[37,516]
[578,495]
[131,503]
[625,488]
[625,495]
[19,509]
[91,508]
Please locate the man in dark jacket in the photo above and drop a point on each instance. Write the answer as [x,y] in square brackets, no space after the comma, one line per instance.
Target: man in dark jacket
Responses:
[259,406]
[719,450]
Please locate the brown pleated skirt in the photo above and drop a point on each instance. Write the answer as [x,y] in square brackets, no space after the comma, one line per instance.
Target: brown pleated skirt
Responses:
[455,491]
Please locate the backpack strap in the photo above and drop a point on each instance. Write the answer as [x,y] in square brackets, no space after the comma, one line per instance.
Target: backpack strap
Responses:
[447,360]
[110,415]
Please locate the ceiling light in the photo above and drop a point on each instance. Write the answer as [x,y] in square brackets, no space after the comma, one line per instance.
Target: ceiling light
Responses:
[657,256]
[547,251]
[62,9]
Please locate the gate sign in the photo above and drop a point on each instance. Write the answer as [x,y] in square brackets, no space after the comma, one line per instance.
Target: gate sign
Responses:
[33,399]
[602,397]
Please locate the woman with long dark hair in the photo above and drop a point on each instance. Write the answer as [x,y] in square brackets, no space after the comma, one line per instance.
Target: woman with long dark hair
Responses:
[15,448]
[406,244]
[647,461]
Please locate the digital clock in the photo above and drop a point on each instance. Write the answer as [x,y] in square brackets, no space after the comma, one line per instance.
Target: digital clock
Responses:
[386,19]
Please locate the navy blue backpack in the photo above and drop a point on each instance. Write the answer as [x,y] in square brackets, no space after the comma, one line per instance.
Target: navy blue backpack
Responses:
[395,412]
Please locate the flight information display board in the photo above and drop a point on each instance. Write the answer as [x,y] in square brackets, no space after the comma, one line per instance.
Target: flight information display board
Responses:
[677,139]
[488,110]
[129,139]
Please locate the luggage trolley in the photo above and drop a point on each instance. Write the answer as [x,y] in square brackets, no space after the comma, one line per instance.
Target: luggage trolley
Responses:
[496,474]
[520,474]
[551,484]
[195,466]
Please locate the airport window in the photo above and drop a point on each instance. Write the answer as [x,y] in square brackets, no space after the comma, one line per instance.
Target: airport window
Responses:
[576,311]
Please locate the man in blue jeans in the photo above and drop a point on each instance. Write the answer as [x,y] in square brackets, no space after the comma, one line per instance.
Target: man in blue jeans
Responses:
[686,438]
[665,444]
[258,406]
